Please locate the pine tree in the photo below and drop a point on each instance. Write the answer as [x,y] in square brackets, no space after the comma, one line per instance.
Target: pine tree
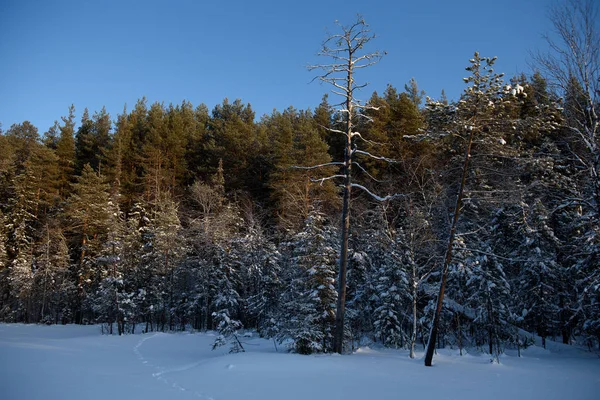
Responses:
[84,143]
[20,224]
[20,279]
[198,165]
[472,116]
[127,153]
[232,138]
[50,138]
[65,151]
[24,138]
[4,289]
[166,248]
[51,276]
[164,151]
[89,212]
[296,141]
[415,95]
[137,271]
[106,301]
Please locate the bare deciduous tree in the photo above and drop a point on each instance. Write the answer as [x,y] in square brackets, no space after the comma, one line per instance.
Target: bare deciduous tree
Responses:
[573,68]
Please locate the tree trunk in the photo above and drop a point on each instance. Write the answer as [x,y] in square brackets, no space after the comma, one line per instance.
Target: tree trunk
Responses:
[459,330]
[205,316]
[338,340]
[413,337]
[341,300]
[490,324]
[44,294]
[518,342]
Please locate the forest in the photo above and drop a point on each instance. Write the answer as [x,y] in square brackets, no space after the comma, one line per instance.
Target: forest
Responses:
[174,217]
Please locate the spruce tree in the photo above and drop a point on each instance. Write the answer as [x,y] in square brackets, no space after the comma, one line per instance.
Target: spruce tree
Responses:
[308,303]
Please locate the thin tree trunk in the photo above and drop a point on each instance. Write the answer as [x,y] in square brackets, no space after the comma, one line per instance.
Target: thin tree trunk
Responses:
[44,295]
[46,272]
[341,300]
[205,316]
[118,317]
[448,258]
[490,324]
[458,329]
[306,197]
[413,337]
[518,342]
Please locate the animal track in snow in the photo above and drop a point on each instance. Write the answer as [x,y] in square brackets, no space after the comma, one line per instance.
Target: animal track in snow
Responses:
[159,375]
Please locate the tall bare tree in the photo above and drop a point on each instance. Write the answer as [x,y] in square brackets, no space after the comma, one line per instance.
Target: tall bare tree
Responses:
[348,55]
[572,67]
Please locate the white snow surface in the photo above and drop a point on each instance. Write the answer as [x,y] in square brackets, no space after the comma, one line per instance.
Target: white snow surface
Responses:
[78,363]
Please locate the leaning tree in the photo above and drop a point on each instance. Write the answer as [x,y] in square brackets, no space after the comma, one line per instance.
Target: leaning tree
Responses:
[477,115]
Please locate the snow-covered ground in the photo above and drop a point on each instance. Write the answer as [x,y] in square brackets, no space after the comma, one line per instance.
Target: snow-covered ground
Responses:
[78,363]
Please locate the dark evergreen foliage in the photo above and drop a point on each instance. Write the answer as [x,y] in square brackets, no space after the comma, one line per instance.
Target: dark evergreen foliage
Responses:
[178,218]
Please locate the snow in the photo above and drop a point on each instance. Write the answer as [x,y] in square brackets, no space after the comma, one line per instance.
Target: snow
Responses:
[77,362]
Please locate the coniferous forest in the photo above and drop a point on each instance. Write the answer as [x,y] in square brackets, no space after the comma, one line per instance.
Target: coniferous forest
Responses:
[181,216]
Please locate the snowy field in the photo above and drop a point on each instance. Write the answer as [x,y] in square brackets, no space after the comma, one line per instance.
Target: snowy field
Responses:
[78,363]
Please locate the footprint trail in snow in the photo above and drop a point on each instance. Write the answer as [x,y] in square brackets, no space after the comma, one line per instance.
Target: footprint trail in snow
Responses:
[161,371]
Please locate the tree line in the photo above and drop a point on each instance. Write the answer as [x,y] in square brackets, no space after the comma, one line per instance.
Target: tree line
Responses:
[174,216]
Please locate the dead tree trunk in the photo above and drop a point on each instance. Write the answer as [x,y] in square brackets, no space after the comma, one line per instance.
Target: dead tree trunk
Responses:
[345,49]
[341,300]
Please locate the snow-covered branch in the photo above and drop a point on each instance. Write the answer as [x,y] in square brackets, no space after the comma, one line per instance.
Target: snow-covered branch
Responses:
[318,166]
[372,57]
[363,139]
[376,197]
[366,153]
[321,180]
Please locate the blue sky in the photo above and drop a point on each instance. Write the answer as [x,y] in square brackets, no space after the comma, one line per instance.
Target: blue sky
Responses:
[111,53]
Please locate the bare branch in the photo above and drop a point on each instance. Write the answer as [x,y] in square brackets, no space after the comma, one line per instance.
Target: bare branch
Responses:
[357,134]
[366,153]
[318,166]
[372,57]
[365,171]
[376,197]
[321,180]
[346,46]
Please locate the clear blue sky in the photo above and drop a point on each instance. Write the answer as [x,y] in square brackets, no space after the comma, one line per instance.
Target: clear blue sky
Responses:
[111,53]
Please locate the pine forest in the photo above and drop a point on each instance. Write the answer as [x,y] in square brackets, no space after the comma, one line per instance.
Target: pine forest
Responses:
[406,219]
